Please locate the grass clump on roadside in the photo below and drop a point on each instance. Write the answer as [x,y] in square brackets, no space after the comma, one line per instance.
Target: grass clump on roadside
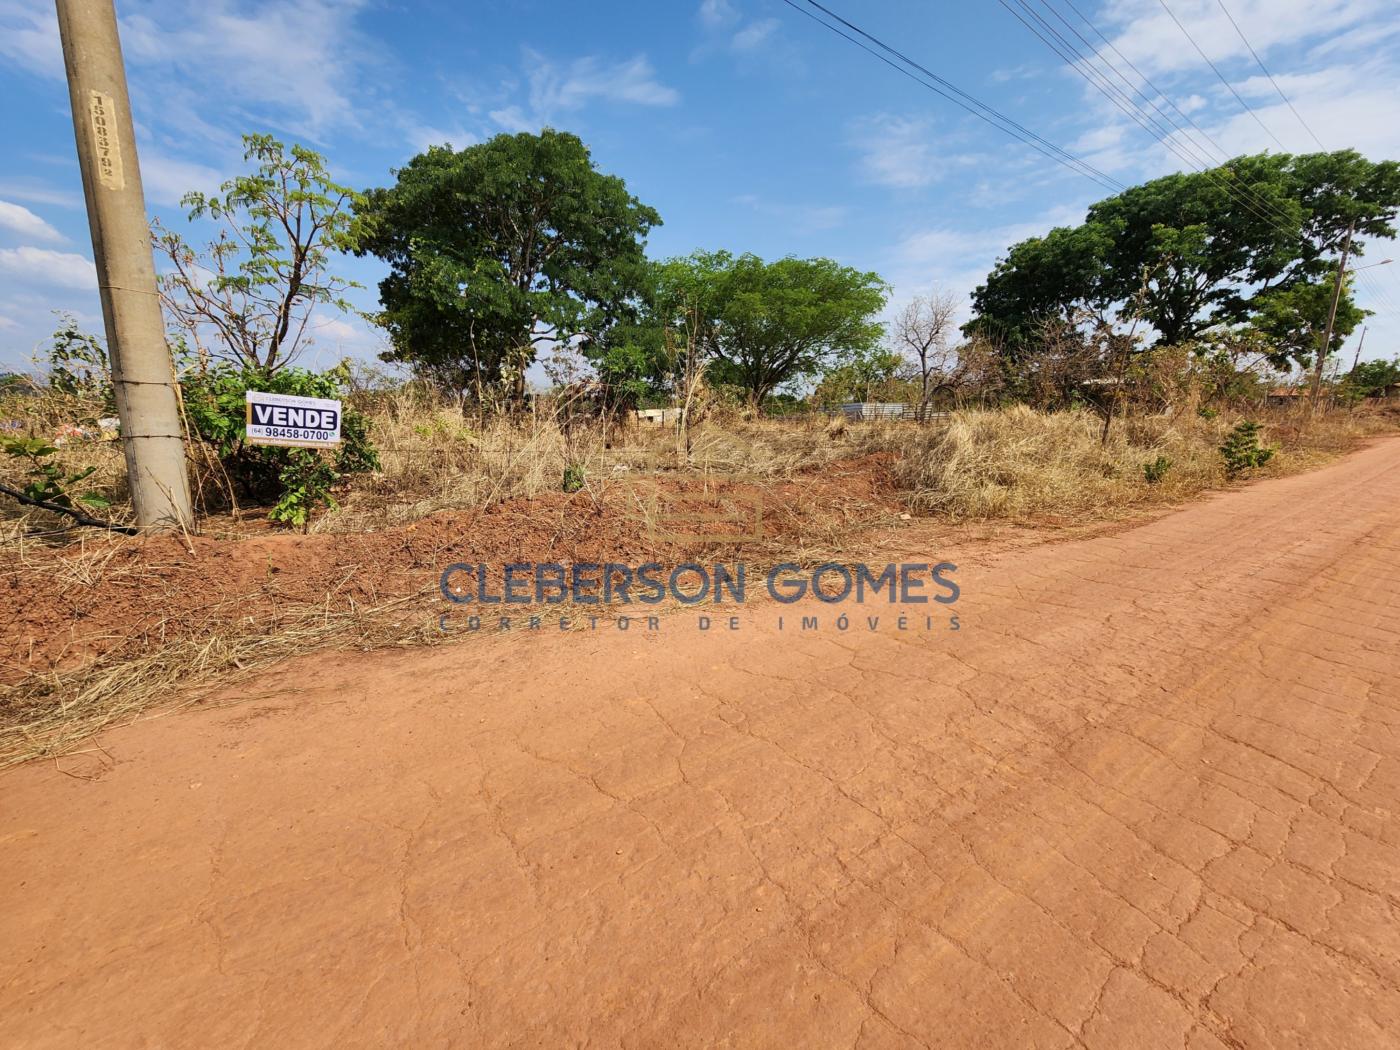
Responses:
[1020,464]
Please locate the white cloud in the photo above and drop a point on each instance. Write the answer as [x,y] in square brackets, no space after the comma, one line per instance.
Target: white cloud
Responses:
[896,152]
[29,37]
[958,260]
[754,34]
[1348,105]
[939,243]
[45,266]
[5,323]
[1148,37]
[24,222]
[421,136]
[30,189]
[1346,97]
[554,89]
[166,179]
[726,29]
[298,58]
[513,118]
[903,152]
[1025,71]
[717,13]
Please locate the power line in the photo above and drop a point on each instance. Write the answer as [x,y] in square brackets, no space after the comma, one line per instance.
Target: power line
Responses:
[1196,160]
[1265,68]
[1376,293]
[1257,198]
[1091,52]
[957,96]
[1089,72]
[1245,195]
[1096,79]
[1185,117]
[1220,75]
[1224,153]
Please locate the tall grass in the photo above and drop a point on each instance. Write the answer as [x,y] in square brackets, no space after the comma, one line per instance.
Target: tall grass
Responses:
[437,458]
[1021,464]
[982,463]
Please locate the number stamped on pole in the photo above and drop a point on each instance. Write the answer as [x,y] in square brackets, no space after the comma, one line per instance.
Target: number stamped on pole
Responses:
[105,143]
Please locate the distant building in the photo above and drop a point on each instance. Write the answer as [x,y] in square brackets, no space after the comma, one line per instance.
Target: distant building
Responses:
[659,417]
[869,410]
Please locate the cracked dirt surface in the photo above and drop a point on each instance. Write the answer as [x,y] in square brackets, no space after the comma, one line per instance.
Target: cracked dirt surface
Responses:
[1148,796]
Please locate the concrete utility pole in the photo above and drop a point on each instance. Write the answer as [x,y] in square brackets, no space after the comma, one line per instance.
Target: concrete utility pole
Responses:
[142,372]
[1357,359]
[1331,318]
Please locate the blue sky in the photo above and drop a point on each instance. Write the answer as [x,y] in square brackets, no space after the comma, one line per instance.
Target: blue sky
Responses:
[746,125]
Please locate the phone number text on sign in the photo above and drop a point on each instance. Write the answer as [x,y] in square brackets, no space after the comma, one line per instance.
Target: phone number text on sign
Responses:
[285,419]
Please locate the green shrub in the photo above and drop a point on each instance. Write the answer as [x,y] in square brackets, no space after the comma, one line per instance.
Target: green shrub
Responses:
[78,365]
[573,478]
[1242,450]
[1156,470]
[296,481]
[47,481]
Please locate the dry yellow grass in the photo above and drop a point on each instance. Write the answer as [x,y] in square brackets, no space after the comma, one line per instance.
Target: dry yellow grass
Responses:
[434,458]
[996,463]
[44,715]
[1020,464]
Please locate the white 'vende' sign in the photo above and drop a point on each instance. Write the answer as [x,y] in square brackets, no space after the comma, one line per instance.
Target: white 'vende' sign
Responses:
[285,419]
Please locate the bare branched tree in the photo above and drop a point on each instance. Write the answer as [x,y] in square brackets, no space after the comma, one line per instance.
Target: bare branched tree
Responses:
[922,330]
[248,297]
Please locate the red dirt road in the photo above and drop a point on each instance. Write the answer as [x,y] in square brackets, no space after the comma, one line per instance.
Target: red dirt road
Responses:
[1148,796]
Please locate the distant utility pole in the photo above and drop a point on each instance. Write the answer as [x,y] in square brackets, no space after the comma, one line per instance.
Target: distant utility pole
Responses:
[1357,359]
[1331,318]
[142,373]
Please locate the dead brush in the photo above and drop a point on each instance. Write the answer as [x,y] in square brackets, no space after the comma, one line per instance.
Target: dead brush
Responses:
[434,458]
[788,449]
[1021,464]
[46,715]
[46,415]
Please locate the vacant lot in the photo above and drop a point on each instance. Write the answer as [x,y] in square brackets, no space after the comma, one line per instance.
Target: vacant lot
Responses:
[98,628]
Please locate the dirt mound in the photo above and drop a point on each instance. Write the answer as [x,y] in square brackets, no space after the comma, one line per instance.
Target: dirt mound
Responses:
[117,596]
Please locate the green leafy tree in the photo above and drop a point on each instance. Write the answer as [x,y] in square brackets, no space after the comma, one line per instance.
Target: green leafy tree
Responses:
[1336,191]
[1374,378]
[866,375]
[1293,320]
[247,298]
[635,363]
[1191,251]
[1042,280]
[762,325]
[498,248]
